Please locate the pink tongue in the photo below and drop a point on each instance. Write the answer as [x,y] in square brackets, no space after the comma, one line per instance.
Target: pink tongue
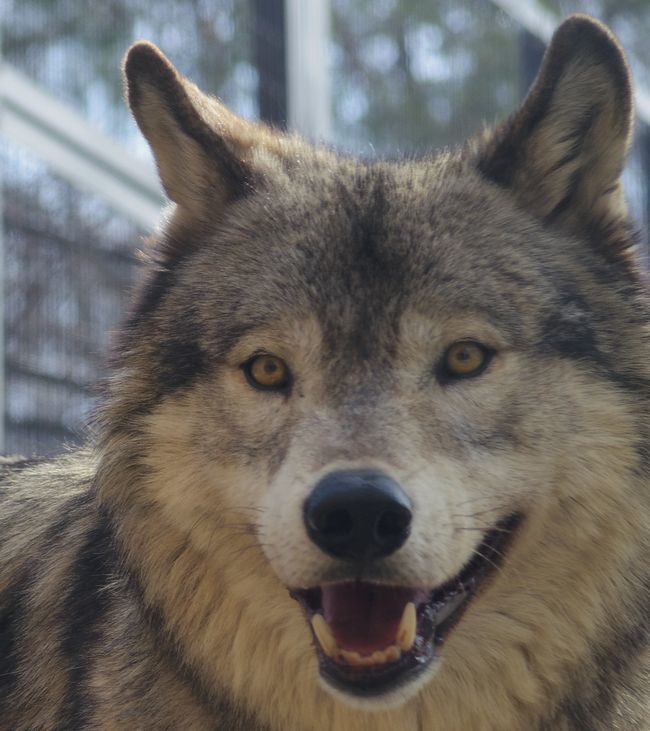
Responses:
[365,617]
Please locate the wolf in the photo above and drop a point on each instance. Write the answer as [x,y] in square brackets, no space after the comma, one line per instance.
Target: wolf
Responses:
[374,450]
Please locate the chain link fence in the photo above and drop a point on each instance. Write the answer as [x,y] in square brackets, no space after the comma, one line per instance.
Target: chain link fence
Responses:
[405,77]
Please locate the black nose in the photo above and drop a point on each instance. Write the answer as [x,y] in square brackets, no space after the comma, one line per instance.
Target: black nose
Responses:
[358,515]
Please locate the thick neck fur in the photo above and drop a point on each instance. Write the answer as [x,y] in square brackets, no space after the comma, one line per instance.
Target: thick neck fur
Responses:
[509,665]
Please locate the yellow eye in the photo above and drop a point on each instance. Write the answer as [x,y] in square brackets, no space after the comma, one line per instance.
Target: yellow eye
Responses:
[466,358]
[267,372]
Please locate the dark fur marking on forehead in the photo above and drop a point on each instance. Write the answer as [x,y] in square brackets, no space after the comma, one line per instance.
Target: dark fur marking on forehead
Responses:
[365,205]
[368,231]
[364,273]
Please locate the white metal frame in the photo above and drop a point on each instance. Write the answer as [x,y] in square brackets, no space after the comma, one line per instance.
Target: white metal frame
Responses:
[91,161]
[76,150]
[79,153]
[3,405]
[308,79]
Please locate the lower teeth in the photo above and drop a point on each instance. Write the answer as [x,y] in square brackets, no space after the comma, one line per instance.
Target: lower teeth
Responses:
[379,657]
[404,642]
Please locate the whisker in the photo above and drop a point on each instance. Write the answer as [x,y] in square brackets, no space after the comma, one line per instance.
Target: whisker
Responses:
[478,553]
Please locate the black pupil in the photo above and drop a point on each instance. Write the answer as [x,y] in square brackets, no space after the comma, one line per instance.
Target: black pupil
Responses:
[270,367]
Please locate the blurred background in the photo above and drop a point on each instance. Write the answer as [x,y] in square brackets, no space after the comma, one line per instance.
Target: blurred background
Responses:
[78,187]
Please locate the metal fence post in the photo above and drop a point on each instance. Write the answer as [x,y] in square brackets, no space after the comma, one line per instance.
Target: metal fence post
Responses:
[3,400]
[309,96]
[271,60]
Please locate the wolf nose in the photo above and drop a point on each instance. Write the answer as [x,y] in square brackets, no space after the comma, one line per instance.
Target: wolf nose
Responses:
[358,515]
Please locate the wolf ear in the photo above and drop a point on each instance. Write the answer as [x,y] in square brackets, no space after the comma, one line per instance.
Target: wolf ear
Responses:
[562,153]
[200,147]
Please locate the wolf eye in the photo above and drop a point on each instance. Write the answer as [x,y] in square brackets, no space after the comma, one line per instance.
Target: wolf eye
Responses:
[267,372]
[465,359]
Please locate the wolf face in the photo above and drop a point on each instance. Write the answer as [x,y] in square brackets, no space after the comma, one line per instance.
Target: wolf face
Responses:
[395,406]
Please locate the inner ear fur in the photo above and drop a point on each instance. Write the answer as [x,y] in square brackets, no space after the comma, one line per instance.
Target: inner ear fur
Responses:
[562,153]
[203,151]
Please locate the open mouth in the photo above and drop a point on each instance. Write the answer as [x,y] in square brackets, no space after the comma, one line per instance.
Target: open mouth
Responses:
[372,638]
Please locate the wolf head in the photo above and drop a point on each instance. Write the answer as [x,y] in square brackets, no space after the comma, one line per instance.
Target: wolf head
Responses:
[397,407]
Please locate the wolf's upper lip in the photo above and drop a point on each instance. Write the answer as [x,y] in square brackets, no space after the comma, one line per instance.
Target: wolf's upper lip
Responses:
[372,637]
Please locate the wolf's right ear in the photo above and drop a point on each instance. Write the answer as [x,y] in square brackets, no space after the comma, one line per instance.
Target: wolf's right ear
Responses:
[200,147]
[562,153]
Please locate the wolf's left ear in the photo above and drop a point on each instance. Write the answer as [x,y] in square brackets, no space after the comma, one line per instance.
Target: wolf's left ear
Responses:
[562,153]
[201,148]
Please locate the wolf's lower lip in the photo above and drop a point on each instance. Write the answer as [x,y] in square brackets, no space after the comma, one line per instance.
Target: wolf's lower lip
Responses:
[357,635]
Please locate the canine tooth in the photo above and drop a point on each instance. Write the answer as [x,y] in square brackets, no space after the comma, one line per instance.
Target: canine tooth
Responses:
[407,628]
[324,635]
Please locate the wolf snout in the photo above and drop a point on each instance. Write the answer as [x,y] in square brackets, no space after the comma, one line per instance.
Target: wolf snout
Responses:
[358,515]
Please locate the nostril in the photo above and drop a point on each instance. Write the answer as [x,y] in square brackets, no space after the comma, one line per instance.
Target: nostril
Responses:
[335,524]
[392,525]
